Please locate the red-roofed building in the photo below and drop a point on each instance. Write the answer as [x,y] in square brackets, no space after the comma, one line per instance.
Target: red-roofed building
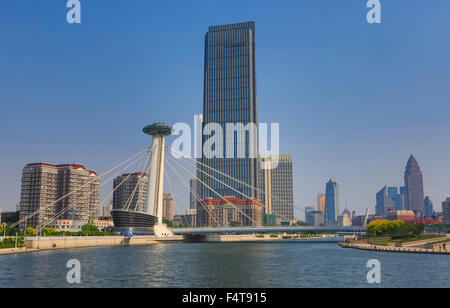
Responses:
[220,213]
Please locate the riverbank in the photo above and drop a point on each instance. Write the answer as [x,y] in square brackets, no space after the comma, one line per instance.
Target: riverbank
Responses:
[35,244]
[439,245]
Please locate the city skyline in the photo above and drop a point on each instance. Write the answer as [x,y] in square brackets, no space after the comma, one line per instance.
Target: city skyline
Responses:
[292,74]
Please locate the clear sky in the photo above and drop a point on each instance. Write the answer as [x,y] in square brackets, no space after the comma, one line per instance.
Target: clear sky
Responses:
[353,99]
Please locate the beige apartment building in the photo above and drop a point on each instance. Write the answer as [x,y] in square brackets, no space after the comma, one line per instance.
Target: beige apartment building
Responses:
[43,184]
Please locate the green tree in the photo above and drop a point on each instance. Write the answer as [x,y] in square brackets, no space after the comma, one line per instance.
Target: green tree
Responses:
[31,231]
[235,224]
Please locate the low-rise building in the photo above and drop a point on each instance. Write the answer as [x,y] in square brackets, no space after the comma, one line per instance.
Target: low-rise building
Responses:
[403,215]
[227,211]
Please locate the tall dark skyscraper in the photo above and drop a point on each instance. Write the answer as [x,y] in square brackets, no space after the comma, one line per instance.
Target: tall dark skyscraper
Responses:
[414,199]
[331,201]
[230,97]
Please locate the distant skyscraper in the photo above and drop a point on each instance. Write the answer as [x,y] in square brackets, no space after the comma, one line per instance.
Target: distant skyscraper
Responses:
[230,97]
[446,211]
[428,207]
[414,187]
[321,202]
[131,193]
[168,206]
[384,203]
[313,217]
[393,192]
[331,201]
[277,187]
[194,183]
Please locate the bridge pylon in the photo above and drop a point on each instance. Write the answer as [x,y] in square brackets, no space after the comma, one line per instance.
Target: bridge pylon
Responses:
[154,201]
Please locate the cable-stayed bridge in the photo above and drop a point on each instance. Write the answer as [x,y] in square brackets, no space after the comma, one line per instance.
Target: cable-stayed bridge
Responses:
[151,162]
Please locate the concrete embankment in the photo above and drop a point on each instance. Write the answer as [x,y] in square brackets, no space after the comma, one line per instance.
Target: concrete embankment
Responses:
[216,238]
[426,246]
[33,244]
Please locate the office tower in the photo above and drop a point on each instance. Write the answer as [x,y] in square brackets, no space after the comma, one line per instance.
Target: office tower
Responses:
[321,202]
[277,186]
[313,217]
[414,199]
[230,97]
[428,207]
[392,192]
[194,184]
[400,199]
[132,193]
[223,213]
[43,184]
[446,212]
[331,202]
[168,206]
[384,203]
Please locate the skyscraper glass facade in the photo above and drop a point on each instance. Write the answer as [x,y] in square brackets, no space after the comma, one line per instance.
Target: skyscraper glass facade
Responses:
[331,201]
[277,187]
[415,199]
[230,97]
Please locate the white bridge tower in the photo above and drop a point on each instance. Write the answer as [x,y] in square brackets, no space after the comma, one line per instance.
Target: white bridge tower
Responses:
[154,201]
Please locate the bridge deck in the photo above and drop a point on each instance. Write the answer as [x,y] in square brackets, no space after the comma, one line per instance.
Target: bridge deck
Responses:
[266,229]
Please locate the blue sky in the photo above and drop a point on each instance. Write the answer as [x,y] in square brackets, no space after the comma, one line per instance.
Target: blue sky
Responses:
[353,100]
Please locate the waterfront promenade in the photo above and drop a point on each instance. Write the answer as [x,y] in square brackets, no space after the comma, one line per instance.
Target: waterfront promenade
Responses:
[427,246]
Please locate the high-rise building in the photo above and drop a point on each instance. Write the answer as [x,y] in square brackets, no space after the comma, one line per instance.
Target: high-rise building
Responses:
[392,192]
[321,202]
[168,206]
[384,203]
[132,192]
[331,202]
[428,207]
[194,193]
[399,198]
[313,217]
[344,220]
[43,184]
[230,97]
[414,199]
[86,183]
[277,186]
[446,212]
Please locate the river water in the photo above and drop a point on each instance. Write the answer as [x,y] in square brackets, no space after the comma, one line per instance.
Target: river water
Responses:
[234,265]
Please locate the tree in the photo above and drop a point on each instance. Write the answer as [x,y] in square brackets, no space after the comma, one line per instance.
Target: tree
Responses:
[235,224]
[31,231]
[89,229]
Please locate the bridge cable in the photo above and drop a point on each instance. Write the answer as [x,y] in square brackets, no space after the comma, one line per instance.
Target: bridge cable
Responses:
[221,197]
[197,197]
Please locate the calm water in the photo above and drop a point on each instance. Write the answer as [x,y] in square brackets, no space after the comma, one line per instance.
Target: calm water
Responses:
[223,265]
